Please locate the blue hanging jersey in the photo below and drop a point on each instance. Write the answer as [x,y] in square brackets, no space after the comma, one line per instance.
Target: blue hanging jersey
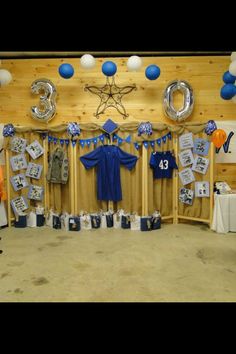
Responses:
[108,159]
[163,164]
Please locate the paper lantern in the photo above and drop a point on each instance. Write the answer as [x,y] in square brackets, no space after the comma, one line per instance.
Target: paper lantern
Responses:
[219,137]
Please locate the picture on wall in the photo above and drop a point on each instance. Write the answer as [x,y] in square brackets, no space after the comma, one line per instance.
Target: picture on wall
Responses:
[201,147]
[200,164]
[19,205]
[18,162]
[186,196]
[34,170]
[186,157]
[202,189]
[18,144]
[35,192]
[35,149]
[186,176]
[19,181]
[186,141]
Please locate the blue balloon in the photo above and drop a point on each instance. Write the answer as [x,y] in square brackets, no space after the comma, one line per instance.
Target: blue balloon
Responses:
[228,91]
[66,71]
[152,72]
[109,68]
[228,78]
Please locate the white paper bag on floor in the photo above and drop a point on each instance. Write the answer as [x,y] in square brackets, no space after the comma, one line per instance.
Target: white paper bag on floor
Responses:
[135,222]
[103,222]
[31,219]
[49,218]
[3,215]
[117,218]
[85,222]
[65,221]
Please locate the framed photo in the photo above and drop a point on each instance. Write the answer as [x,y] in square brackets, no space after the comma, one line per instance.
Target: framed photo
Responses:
[19,205]
[200,165]
[35,149]
[202,189]
[18,162]
[201,147]
[19,181]
[186,157]
[34,170]
[186,141]
[35,192]
[186,176]
[18,144]
[186,196]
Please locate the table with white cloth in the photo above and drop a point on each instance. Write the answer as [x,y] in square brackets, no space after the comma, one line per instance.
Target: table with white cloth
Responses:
[224,216]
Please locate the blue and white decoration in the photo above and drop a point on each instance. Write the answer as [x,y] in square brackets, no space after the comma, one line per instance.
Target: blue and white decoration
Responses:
[152,143]
[145,128]
[228,91]
[8,130]
[121,140]
[73,129]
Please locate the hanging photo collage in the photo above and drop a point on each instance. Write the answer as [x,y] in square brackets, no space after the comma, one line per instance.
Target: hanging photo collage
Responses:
[32,170]
[193,159]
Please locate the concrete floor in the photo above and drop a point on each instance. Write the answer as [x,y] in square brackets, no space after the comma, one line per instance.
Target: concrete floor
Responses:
[177,263]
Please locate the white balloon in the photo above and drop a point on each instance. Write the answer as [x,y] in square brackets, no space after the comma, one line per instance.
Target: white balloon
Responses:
[5,77]
[232,68]
[87,61]
[234,99]
[233,56]
[134,63]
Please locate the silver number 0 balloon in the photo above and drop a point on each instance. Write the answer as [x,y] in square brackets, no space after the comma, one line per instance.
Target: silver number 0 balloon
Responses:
[47,106]
[187,108]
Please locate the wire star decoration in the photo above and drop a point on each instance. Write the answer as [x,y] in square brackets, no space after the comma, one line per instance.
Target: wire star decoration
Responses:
[110,95]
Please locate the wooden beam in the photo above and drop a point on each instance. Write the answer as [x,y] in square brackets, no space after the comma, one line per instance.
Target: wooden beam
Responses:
[8,188]
[144,181]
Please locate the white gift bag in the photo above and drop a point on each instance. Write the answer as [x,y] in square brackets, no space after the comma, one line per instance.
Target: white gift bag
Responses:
[49,218]
[85,222]
[103,221]
[135,222]
[65,221]
[3,215]
[31,219]
[117,218]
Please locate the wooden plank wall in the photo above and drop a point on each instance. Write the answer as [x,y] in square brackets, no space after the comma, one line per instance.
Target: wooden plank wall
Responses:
[204,73]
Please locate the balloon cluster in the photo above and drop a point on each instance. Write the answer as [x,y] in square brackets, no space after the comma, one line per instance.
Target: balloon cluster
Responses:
[145,128]
[218,136]
[8,130]
[73,129]
[87,61]
[109,68]
[228,91]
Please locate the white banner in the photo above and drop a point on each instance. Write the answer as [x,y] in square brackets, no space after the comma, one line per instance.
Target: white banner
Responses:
[227,153]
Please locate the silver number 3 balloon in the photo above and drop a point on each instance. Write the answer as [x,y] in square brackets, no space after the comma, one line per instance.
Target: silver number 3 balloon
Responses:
[188,100]
[47,106]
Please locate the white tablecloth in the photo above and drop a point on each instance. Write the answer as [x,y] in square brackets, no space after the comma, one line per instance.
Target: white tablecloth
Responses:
[224,216]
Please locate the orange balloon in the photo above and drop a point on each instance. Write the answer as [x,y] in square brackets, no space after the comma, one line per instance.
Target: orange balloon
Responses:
[219,137]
